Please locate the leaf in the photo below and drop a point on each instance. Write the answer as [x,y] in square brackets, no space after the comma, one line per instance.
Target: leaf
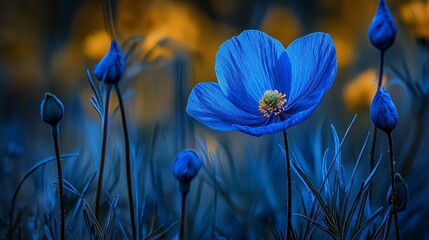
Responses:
[367,222]
[96,107]
[48,233]
[321,227]
[27,175]
[79,202]
[92,224]
[311,186]
[277,234]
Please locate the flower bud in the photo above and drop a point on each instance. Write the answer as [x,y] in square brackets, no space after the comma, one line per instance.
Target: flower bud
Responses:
[51,109]
[111,67]
[383,112]
[382,31]
[401,193]
[186,166]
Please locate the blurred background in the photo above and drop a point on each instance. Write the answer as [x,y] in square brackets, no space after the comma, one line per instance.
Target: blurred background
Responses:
[170,46]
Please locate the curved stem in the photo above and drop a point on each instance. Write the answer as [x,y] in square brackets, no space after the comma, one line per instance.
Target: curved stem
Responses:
[289,189]
[27,175]
[393,186]
[127,161]
[103,150]
[183,217]
[55,131]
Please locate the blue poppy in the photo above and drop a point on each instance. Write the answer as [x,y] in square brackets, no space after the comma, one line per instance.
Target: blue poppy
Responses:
[186,166]
[401,193]
[51,109]
[383,112]
[382,32]
[111,67]
[262,87]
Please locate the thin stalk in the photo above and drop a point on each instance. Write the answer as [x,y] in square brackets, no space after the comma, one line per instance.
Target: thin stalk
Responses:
[387,227]
[393,185]
[55,131]
[103,149]
[381,67]
[374,137]
[183,217]
[380,82]
[127,161]
[289,189]
[27,175]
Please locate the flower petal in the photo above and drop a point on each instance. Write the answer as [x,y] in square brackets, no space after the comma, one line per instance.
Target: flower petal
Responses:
[208,104]
[248,65]
[314,66]
[279,126]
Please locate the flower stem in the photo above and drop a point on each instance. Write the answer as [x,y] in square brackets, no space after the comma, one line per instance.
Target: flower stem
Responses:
[289,189]
[380,70]
[393,186]
[374,137]
[127,160]
[380,82]
[103,149]
[183,217]
[55,131]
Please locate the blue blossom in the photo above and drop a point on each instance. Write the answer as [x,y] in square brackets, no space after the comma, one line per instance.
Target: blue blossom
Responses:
[51,109]
[111,67]
[401,193]
[383,112]
[186,166]
[382,31]
[262,87]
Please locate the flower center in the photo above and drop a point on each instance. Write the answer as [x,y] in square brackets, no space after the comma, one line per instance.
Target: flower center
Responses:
[272,102]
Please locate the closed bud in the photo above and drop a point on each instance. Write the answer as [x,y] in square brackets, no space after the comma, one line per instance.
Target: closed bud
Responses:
[382,32]
[401,193]
[51,109]
[383,112]
[186,166]
[111,67]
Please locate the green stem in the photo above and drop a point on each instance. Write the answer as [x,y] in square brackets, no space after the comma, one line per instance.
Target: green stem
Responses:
[393,186]
[183,217]
[103,149]
[55,131]
[289,189]
[127,161]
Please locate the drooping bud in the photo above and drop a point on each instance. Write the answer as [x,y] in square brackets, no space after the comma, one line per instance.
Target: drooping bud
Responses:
[51,109]
[185,167]
[383,112]
[401,193]
[111,67]
[382,32]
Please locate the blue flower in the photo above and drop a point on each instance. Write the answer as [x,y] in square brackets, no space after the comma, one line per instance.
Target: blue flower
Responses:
[401,193]
[262,87]
[383,112]
[382,31]
[111,67]
[186,166]
[51,109]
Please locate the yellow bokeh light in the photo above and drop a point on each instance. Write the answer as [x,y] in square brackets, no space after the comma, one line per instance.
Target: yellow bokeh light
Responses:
[359,92]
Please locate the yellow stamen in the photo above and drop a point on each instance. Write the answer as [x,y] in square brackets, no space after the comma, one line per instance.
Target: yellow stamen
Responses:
[272,102]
